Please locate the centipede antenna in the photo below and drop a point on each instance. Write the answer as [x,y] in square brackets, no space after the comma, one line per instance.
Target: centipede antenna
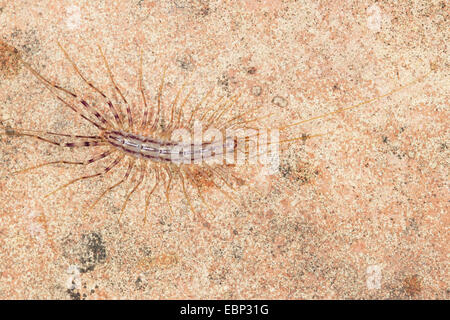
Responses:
[363,103]
[106,170]
[127,174]
[141,179]
[10,131]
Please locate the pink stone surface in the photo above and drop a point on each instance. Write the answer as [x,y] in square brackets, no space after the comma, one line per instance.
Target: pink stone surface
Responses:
[360,212]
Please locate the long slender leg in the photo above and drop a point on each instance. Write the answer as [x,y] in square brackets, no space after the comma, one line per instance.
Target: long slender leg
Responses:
[145,118]
[10,131]
[220,176]
[237,179]
[92,110]
[141,179]
[211,108]
[92,143]
[106,170]
[158,112]
[188,199]
[90,84]
[205,97]
[50,86]
[211,120]
[147,198]
[174,104]
[111,77]
[225,193]
[127,174]
[251,120]
[167,191]
[239,116]
[199,192]
[181,112]
[85,162]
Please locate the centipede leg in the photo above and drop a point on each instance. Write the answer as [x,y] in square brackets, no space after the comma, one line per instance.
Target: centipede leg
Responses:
[224,108]
[147,197]
[92,143]
[160,91]
[127,174]
[174,104]
[141,179]
[51,87]
[167,191]
[91,85]
[199,192]
[225,193]
[10,131]
[145,117]
[106,170]
[86,162]
[181,112]
[183,185]
[111,77]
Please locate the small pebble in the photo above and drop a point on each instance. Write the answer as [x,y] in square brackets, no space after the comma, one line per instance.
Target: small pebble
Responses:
[256,91]
[279,101]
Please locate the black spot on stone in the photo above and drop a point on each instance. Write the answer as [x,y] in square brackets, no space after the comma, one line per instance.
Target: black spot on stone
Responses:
[74,294]
[224,82]
[93,251]
[285,169]
[140,284]
[385,139]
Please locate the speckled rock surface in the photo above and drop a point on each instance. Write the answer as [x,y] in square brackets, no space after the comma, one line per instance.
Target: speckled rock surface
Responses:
[360,212]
